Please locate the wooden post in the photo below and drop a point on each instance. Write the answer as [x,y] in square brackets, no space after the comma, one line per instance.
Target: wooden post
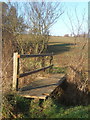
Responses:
[43,62]
[51,59]
[15,71]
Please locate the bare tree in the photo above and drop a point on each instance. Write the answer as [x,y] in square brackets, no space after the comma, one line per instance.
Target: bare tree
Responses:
[76,28]
[41,16]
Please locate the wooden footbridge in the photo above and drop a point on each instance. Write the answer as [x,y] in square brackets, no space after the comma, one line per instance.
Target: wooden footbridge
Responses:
[41,87]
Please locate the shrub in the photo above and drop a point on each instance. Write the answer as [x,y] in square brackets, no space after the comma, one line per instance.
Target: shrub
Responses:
[14,106]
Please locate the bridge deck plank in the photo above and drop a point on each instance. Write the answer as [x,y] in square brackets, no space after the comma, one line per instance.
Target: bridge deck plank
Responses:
[42,86]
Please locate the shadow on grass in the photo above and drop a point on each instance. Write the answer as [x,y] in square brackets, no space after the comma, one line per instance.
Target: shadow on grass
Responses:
[59,48]
[55,42]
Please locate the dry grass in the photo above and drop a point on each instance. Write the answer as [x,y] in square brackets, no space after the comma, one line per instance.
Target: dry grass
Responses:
[65,50]
[75,58]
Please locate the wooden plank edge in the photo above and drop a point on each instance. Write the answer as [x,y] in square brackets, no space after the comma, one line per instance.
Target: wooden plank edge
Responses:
[62,80]
[35,97]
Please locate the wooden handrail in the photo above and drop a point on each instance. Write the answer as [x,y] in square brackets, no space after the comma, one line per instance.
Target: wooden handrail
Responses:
[35,55]
[16,74]
[35,71]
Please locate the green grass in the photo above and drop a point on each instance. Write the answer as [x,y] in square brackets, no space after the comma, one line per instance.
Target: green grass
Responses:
[58,70]
[52,109]
[26,108]
[74,112]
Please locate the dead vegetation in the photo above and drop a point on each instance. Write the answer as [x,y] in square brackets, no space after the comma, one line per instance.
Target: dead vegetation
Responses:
[76,62]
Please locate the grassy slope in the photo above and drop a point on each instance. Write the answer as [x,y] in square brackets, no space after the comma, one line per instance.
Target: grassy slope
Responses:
[48,109]
[67,112]
[65,50]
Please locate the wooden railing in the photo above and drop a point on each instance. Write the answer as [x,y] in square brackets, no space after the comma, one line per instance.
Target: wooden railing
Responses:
[16,74]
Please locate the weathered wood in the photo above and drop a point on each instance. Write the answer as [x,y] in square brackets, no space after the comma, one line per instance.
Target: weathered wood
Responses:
[35,97]
[42,87]
[43,63]
[35,71]
[16,75]
[15,71]
[51,59]
[36,55]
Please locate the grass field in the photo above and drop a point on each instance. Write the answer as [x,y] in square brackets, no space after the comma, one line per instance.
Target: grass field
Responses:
[65,50]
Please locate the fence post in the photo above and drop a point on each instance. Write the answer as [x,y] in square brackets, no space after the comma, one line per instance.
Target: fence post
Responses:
[43,62]
[15,71]
[51,59]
